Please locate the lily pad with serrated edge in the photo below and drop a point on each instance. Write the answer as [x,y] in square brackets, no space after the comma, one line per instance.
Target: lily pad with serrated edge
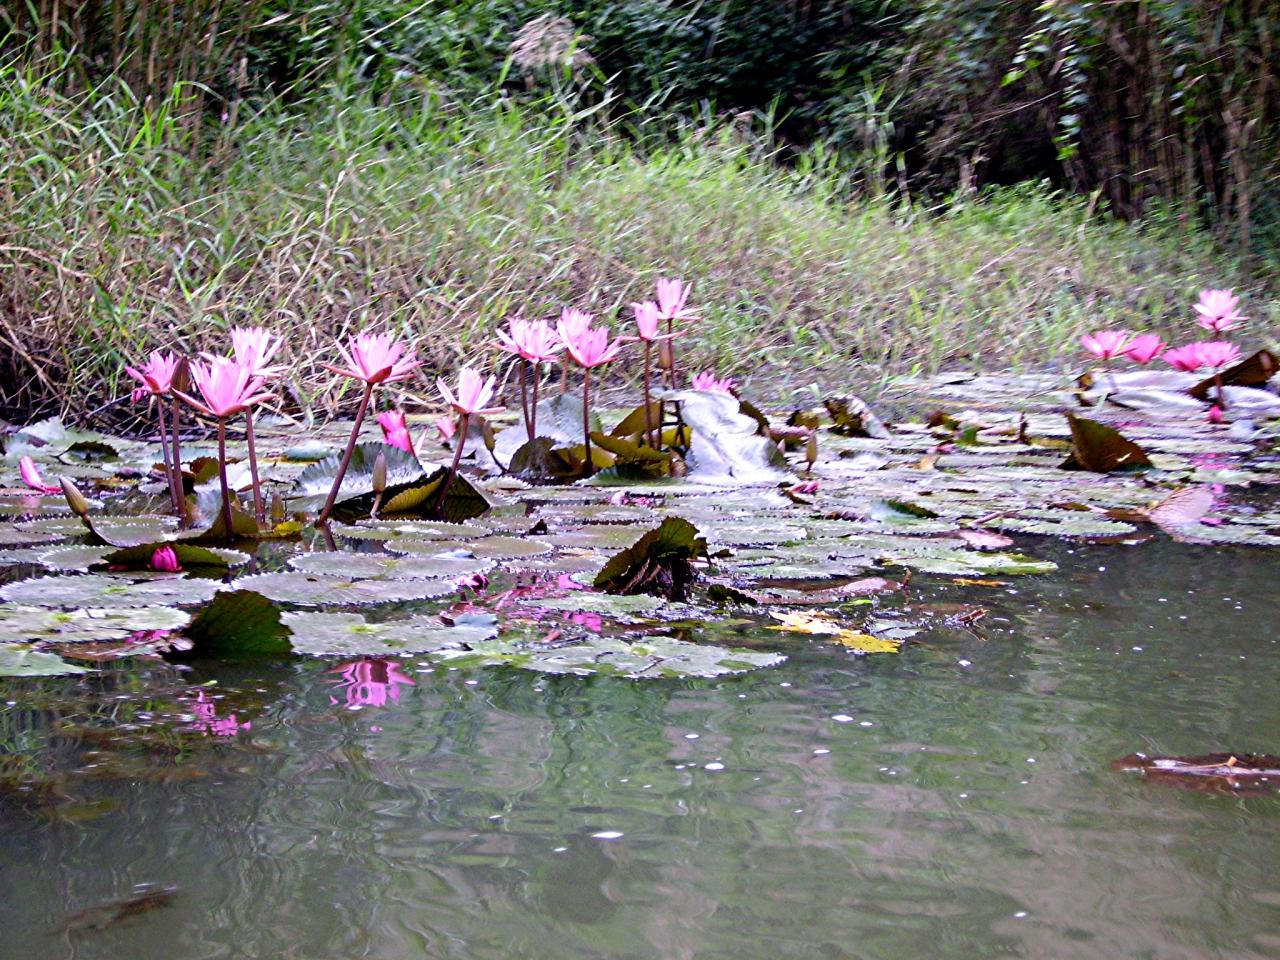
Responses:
[586,601]
[651,658]
[23,660]
[349,634]
[380,566]
[497,548]
[408,529]
[12,536]
[93,590]
[313,589]
[595,537]
[77,626]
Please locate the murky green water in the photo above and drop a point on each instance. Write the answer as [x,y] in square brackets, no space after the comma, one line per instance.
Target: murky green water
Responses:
[954,801]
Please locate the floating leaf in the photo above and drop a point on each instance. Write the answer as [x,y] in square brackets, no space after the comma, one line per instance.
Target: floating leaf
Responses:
[408,529]
[349,634]
[1223,773]
[647,659]
[78,626]
[822,625]
[308,589]
[189,556]
[585,601]
[238,623]
[92,591]
[22,660]
[1182,508]
[383,567]
[497,548]
[1101,449]
[661,561]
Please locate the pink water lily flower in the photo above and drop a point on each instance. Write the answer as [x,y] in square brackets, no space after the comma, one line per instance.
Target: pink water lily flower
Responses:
[371,683]
[1217,354]
[1186,358]
[395,430]
[590,346]
[254,347]
[156,375]
[226,387]
[1106,344]
[572,322]
[531,340]
[1144,348]
[707,380]
[165,560]
[473,396]
[446,428]
[672,297]
[376,358]
[30,474]
[648,319]
[1217,310]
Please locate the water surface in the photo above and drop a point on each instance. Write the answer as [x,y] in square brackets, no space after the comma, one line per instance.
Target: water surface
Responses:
[953,801]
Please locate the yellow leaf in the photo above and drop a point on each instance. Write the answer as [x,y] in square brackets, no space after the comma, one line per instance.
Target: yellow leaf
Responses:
[970,582]
[812,623]
[866,643]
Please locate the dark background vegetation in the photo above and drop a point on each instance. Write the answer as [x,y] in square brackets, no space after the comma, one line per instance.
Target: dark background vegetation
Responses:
[1158,112]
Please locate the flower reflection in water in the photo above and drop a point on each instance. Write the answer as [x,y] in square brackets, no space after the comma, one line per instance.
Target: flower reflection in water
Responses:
[208,721]
[370,683]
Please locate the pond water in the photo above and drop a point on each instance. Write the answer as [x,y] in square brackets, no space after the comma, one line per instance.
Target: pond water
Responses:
[955,800]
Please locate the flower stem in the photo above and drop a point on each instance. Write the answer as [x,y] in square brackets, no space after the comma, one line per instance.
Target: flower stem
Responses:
[671,344]
[464,424]
[164,448]
[1222,397]
[259,511]
[327,509]
[648,412]
[586,419]
[222,476]
[533,407]
[178,491]
[524,398]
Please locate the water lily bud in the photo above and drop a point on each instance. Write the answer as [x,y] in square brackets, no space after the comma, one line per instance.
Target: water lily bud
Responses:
[380,473]
[165,560]
[665,355]
[277,508]
[75,499]
[811,449]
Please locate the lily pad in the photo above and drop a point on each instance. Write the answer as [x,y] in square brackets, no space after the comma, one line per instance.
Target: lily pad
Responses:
[238,623]
[313,589]
[497,548]
[95,591]
[77,626]
[23,660]
[647,659]
[349,634]
[410,529]
[382,567]
[660,561]
[591,602]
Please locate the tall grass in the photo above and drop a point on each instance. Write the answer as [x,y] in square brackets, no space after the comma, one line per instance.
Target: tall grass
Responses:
[119,235]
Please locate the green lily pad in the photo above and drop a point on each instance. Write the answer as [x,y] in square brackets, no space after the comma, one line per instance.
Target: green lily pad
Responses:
[407,529]
[93,590]
[497,548]
[76,626]
[238,623]
[349,634]
[22,660]
[313,589]
[380,566]
[647,659]
[589,601]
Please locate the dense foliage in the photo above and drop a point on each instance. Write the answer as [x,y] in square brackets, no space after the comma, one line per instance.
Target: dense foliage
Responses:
[1142,101]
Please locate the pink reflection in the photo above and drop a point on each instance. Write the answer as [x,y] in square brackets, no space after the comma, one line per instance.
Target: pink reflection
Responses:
[208,721]
[370,683]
